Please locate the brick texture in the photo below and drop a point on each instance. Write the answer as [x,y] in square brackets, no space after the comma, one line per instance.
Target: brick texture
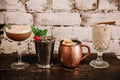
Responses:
[18,18]
[2,18]
[57,19]
[89,19]
[86,4]
[108,4]
[71,19]
[61,5]
[36,5]
[12,5]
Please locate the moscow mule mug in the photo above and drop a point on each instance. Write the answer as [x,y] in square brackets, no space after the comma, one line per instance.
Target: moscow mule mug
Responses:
[71,55]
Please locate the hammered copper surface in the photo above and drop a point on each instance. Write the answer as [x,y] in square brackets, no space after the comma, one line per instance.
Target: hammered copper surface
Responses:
[71,55]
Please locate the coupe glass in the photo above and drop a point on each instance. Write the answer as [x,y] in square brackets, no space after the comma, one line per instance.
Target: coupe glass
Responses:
[101,35]
[18,33]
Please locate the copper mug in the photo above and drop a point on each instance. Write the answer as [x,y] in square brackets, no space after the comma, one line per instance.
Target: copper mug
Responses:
[71,55]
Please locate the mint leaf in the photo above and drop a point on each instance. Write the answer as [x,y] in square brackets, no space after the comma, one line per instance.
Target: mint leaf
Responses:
[37,29]
[8,26]
[44,32]
[39,32]
[34,30]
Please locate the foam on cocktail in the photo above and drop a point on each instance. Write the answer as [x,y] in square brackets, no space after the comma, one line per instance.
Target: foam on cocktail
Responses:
[18,29]
[18,33]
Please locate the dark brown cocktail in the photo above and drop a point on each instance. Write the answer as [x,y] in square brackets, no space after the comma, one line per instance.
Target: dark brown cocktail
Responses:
[18,33]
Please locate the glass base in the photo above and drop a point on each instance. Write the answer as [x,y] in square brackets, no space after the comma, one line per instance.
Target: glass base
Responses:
[97,64]
[44,66]
[19,65]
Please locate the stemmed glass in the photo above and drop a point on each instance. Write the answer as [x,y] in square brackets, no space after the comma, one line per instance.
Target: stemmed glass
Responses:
[101,35]
[28,50]
[18,33]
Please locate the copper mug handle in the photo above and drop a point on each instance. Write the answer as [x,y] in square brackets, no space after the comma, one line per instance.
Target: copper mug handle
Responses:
[88,53]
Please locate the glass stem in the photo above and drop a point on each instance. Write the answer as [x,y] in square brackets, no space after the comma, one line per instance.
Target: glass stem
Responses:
[19,53]
[99,57]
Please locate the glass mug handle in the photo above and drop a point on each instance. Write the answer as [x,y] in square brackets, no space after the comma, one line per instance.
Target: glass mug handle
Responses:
[88,53]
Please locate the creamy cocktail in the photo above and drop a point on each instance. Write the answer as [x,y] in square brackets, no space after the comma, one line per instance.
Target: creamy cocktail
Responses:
[18,33]
[101,35]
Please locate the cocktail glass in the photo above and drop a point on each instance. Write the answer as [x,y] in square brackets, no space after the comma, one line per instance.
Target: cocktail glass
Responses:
[101,35]
[44,51]
[18,33]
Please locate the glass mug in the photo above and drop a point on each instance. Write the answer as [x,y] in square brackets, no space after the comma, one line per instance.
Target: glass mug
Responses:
[71,55]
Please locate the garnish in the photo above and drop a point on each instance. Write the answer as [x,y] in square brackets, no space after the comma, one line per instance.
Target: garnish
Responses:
[37,38]
[38,33]
[8,26]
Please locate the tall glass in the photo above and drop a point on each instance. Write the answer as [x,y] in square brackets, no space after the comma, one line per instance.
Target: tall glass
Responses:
[101,35]
[44,51]
[18,33]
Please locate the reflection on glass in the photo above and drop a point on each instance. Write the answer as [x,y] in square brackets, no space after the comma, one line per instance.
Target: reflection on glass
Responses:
[101,35]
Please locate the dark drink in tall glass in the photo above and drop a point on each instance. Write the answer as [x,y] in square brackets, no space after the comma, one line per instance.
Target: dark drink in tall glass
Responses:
[44,51]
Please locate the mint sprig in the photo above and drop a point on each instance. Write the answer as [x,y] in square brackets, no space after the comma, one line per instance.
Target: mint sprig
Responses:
[8,26]
[38,32]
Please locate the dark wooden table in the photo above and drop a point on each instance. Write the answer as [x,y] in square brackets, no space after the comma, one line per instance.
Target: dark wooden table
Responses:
[58,72]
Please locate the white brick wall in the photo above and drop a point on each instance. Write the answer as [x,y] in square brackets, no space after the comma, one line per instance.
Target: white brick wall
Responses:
[57,19]
[82,33]
[62,32]
[36,5]
[89,19]
[86,4]
[2,18]
[116,33]
[61,5]
[18,18]
[1,4]
[114,47]
[12,5]
[108,5]
[62,18]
